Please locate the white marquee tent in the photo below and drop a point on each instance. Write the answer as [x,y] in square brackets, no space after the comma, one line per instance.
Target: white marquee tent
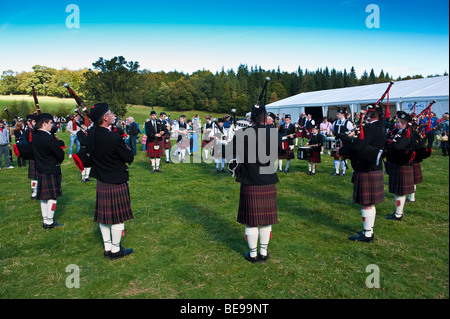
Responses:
[402,96]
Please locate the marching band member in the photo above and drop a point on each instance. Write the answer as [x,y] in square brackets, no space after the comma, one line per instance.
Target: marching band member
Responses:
[82,138]
[32,173]
[48,156]
[316,142]
[109,155]
[368,184]
[166,137]
[155,130]
[207,142]
[301,132]
[183,143]
[287,130]
[398,147]
[220,138]
[341,125]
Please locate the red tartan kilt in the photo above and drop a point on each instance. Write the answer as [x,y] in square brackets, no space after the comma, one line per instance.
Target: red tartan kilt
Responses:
[417,171]
[207,144]
[368,187]
[151,152]
[401,179]
[49,186]
[166,143]
[32,173]
[258,205]
[338,157]
[304,133]
[113,204]
[315,157]
[286,154]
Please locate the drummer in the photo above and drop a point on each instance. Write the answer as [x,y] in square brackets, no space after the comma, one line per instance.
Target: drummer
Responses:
[316,143]
[341,125]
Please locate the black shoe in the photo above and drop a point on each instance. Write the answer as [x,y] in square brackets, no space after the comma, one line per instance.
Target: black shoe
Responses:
[158,170]
[334,174]
[88,180]
[106,253]
[263,259]
[286,171]
[342,175]
[217,171]
[250,259]
[393,217]
[153,171]
[309,173]
[410,201]
[83,181]
[361,237]
[313,173]
[55,224]
[121,253]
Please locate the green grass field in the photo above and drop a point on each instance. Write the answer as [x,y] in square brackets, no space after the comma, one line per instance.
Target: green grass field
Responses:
[188,245]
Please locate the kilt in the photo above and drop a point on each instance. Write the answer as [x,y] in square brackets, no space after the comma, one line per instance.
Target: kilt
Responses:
[113,205]
[49,186]
[151,152]
[286,154]
[166,142]
[183,142]
[417,171]
[401,179]
[32,173]
[207,144]
[337,157]
[258,205]
[315,157]
[303,133]
[368,187]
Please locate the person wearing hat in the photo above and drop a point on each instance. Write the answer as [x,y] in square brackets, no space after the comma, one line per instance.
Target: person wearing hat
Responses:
[110,154]
[48,157]
[399,154]
[341,125]
[183,143]
[364,152]
[258,178]
[316,143]
[207,141]
[287,131]
[155,130]
[219,134]
[166,138]
[32,173]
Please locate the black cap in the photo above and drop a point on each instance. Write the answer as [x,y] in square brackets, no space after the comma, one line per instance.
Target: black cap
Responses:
[343,111]
[404,116]
[43,117]
[97,111]
[153,112]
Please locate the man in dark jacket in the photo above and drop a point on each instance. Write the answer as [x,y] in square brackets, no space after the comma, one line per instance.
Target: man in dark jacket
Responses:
[109,155]
[48,156]
[365,155]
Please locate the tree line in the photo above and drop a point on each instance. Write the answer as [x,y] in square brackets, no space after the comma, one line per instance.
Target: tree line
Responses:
[120,83]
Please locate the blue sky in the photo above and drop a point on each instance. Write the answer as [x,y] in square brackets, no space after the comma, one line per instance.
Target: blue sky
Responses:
[194,35]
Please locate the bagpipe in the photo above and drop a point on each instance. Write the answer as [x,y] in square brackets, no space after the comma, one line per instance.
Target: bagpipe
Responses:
[421,152]
[82,158]
[234,165]
[25,151]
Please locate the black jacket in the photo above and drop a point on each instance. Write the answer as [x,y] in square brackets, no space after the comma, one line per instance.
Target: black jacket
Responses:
[150,130]
[47,153]
[364,152]
[287,131]
[252,172]
[109,155]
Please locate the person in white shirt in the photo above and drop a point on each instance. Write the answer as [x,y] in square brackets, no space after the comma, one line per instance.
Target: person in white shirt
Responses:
[73,128]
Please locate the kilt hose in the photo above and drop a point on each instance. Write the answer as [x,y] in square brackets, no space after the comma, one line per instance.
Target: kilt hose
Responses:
[151,152]
[32,173]
[401,179]
[368,187]
[417,171]
[49,186]
[286,154]
[113,205]
[315,157]
[258,205]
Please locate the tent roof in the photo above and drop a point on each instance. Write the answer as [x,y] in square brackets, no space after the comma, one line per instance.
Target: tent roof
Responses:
[434,88]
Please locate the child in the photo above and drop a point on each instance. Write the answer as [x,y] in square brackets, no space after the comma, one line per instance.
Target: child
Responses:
[315,142]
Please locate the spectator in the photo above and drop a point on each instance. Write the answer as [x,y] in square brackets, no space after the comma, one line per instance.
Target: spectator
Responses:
[20,140]
[73,128]
[4,145]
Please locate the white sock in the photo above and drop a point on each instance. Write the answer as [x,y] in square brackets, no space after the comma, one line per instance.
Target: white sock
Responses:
[412,197]
[152,160]
[368,217]
[167,151]
[314,168]
[309,166]
[116,236]
[280,165]
[223,163]
[88,172]
[105,229]
[183,154]
[399,204]
[34,187]
[343,167]
[83,175]
[206,154]
[336,166]
[265,233]
[251,233]
[158,162]
[288,163]
[51,207]
[44,211]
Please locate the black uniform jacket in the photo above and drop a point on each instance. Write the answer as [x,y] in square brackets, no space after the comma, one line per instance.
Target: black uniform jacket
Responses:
[109,155]
[47,153]
[250,168]
[363,153]
[398,147]
[287,131]
[151,132]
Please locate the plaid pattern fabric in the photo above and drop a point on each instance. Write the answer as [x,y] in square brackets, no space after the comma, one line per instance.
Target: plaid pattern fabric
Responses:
[401,179]
[286,154]
[258,205]
[368,187]
[151,152]
[49,186]
[166,144]
[304,133]
[417,171]
[113,205]
[315,157]
[207,144]
[32,172]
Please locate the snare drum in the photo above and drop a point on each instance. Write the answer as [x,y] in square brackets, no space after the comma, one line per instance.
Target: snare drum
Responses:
[304,153]
[330,143]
